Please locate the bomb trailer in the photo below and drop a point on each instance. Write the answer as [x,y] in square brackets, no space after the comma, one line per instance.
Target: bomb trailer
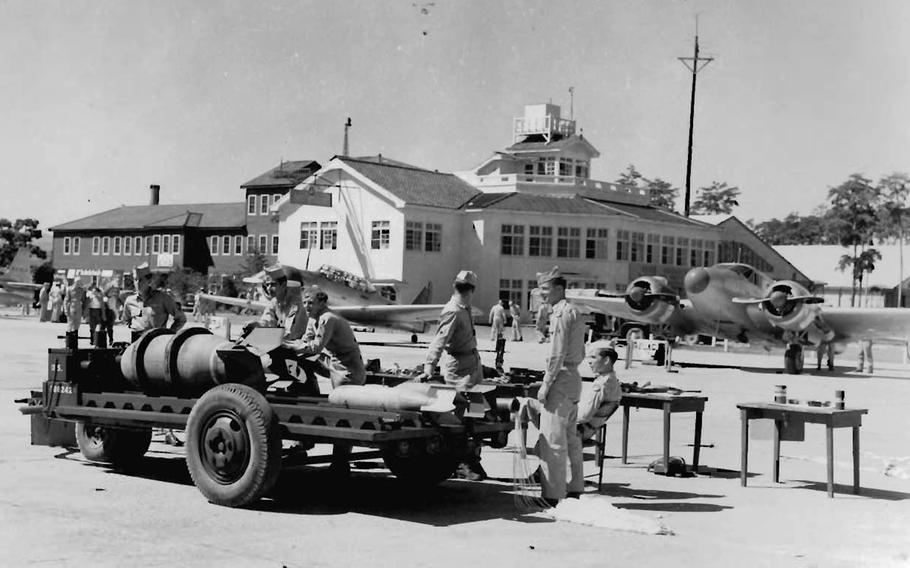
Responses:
[216,391]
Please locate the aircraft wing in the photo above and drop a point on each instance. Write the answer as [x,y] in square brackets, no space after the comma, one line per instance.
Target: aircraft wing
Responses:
[20,287]
[409,317]
[888,325]
[230,301]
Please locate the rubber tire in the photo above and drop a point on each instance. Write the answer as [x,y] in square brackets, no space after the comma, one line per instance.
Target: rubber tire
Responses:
[118,446]
[421,469]
[794,357]
[253,459]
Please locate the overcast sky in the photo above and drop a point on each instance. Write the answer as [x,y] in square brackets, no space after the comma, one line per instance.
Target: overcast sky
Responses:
[100,99]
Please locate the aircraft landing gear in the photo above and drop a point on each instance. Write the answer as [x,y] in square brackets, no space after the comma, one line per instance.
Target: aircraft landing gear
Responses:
[413,338]
[793,359]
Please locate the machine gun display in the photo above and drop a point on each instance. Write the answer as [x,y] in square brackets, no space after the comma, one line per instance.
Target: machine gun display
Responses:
[216,390]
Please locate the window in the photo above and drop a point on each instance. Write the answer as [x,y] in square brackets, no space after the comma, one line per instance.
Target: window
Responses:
[433,240]
[380,235]
[695,253]
[596,243]
[568,242]
[225,244]
[96,245]
[264,244]
[127,245]
[540,241]
[328,235]
[156,244]
[263,204]
[710,248]
[250,243]
[637,250]
[682,245]
[117,245]
[307,236]
[66,245]
[166,244]
[513,240]
[510,290]
[532,284]
[667,248]
[651,248]
[565,166]
[250,204]
[275,245]
[105,245]
[275,198]
[238,245]
[622,245]
[175,244]
[137,245]
[413,235]
[77,241]
[213,245]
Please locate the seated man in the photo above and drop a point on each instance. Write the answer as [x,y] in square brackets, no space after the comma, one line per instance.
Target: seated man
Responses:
[602,401]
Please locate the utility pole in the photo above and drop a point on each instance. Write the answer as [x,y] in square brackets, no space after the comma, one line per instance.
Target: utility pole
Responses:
[571,103]
[345,150]
[693,64]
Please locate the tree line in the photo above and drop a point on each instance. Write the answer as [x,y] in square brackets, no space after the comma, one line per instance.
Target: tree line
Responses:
[716,198]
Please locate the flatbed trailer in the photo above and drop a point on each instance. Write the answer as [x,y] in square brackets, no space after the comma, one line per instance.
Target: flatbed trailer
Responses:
[234,431]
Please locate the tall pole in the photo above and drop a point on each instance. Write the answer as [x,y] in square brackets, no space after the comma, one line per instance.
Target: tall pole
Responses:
[694,64]
[345,150]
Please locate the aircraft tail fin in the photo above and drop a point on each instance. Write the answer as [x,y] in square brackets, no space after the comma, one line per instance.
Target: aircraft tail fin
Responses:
[19,269]
[425,295]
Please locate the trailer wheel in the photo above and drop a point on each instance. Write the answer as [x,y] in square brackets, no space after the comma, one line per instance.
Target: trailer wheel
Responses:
[418,467]
[233,445]
[118,446]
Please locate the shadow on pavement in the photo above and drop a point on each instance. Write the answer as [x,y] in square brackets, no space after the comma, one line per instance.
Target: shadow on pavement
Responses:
[624,490]
[674,507]
[847,491]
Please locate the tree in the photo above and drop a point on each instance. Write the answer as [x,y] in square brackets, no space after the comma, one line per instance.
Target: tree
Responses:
[854,220]
[715,199]
[794,230]
[255,261]
[860,265]
[663,194]
[44,273]
[14,236]
[892,215]
[628,180]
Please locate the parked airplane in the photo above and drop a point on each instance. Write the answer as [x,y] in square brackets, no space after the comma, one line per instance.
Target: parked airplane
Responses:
[736,301]
[16,282]
[353,298]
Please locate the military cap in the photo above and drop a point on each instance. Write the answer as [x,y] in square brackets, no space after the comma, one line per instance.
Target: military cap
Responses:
[141,271]
[548,276]
[466,277]
[275,272]
[314,292]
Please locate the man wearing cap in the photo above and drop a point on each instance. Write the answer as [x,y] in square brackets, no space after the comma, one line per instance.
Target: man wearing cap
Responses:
[328,331]
[149,308]
[74,302]
[559,394]
[285,304]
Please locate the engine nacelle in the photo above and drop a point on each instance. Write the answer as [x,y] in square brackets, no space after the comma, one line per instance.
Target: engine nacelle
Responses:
[651,299]
[785,312]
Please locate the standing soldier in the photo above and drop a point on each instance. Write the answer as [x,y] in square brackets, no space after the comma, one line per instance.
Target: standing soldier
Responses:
[75,300]
[543,322]
[515,311]
[55,299]
[43,299]
[150,308]
[497,321]
[559,394]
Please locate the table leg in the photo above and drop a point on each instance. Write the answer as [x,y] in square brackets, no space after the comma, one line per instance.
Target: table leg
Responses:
[829,442]
[625,433]
[856,460]
[667,437]
[775,465]
[744,458]
[696,451]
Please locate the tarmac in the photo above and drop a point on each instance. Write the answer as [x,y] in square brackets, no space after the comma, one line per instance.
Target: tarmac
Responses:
[61,510]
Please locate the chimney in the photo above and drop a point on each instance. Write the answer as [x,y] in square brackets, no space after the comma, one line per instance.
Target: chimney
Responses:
[155,191]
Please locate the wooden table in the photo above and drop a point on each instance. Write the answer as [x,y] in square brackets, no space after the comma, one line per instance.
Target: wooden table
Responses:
[669,404]
[795,414]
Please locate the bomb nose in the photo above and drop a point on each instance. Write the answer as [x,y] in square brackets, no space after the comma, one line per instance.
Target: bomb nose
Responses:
[697,280]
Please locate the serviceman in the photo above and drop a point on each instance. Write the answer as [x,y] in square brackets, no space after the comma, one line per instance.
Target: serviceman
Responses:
[497,321]
[605,394]
[461,367]
[515,312]
[327,331]
[557,399]
[74,302]
[149,308]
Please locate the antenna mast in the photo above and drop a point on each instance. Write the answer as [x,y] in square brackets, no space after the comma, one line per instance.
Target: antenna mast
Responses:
[693,64]
[345,150]
[571,103]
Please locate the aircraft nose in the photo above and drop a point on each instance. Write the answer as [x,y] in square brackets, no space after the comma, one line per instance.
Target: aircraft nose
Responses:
[697,280]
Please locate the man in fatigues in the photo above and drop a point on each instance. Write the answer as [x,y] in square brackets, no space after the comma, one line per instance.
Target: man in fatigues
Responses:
[559,394]
[74,301]
[461,367]
[149,308]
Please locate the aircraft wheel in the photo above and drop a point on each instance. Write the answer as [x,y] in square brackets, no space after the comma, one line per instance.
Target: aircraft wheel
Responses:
[233,445]
[421,466]
[413,338]
[793,359]
[117,446]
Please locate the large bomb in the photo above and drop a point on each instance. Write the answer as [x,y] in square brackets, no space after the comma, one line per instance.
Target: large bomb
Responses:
[188,363]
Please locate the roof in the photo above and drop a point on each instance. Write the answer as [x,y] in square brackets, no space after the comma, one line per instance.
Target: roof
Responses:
[524,202]
[199,215]
[819,262]
[415,186]
[646,212]
[537,143]
[286,174]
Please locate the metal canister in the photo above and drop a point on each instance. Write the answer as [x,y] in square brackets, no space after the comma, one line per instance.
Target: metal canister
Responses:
[839,399]
[780,394]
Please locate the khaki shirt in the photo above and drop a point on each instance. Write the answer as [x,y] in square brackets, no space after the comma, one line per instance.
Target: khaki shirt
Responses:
[455,333]
[332,333]
[292,317]
[143,314]
[567,349]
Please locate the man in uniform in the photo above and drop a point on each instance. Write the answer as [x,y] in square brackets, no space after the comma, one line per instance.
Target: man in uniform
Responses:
[150,308]
[74,301]
[557,399]
[455,335]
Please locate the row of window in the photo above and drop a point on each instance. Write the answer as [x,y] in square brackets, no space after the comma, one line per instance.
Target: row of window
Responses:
[259,204]
[227,245]
[321,236]
[418,236]
[125,246]
[631,246]
[551,166]
[423,236]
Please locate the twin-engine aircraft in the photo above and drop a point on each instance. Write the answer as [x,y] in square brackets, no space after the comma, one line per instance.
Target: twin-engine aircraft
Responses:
[16,286]
[353,298]
[736,301]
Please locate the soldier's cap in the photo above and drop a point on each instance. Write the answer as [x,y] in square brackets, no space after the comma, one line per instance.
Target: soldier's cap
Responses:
[313,291]
[466,277]
[275,272]
[549,276]
[141,271]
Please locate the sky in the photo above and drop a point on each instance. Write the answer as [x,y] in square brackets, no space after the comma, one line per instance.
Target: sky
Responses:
[102,98]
